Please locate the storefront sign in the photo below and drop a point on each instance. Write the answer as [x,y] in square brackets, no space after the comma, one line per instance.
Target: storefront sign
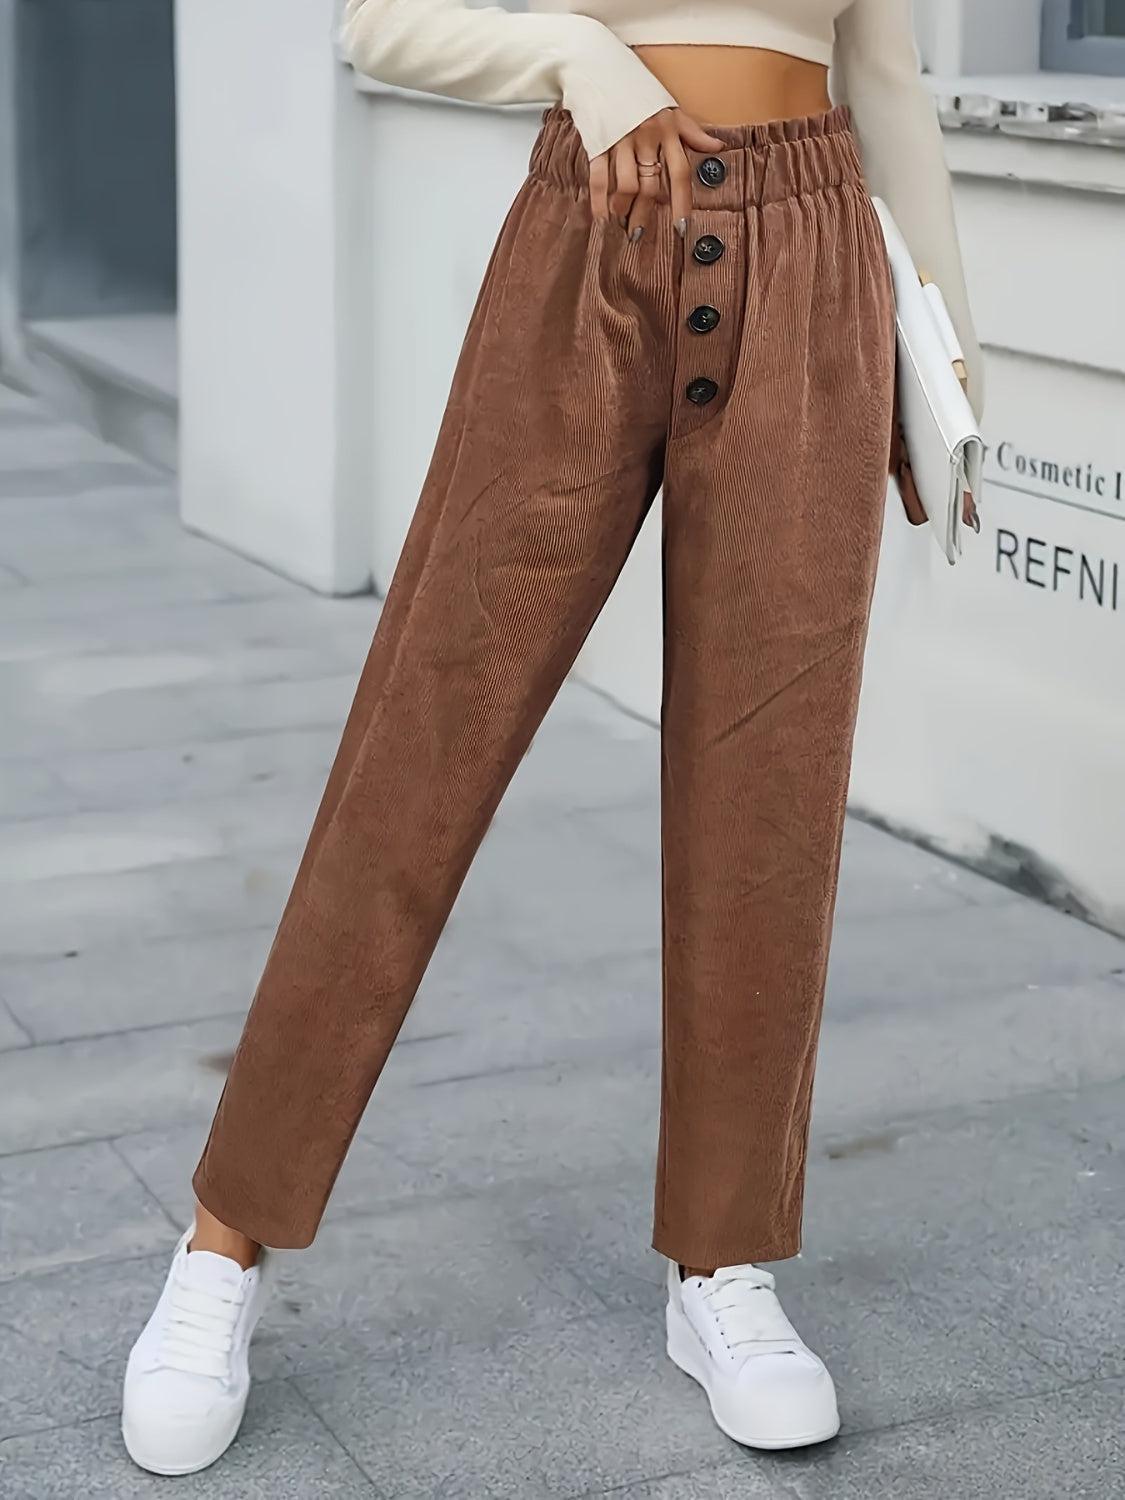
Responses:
[1073,480]
[1048,565]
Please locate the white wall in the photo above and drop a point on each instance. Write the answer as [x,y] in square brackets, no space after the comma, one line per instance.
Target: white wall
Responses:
[275,341]
[993,715]
[993,719]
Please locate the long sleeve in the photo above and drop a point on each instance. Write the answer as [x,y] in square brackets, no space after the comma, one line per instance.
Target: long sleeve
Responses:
[494,56]
[895,117]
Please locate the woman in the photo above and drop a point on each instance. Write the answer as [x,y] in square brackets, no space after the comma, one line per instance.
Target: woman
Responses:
[700,306]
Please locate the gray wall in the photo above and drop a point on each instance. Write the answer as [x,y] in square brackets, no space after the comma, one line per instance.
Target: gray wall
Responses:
[95,114]
[9,221]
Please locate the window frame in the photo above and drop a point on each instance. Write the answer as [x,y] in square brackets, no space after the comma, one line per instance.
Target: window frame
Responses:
[1061,52]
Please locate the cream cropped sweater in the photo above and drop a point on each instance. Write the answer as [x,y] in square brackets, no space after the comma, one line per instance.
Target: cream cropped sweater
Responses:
[578,52]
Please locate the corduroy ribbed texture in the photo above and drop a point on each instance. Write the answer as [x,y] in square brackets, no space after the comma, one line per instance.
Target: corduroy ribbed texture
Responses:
[567,412]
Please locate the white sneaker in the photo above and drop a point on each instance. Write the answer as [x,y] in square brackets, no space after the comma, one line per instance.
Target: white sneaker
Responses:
[188,1374]
[729,1332]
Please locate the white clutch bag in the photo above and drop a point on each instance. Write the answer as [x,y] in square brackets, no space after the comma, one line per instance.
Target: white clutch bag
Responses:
[942,436]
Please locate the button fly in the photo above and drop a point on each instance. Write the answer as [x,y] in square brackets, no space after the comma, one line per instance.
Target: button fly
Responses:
[703,319]
[707,249]
[701,390]
[711,171]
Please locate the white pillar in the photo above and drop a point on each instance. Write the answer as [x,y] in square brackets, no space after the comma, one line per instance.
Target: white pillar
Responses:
[273,351]
[442,176]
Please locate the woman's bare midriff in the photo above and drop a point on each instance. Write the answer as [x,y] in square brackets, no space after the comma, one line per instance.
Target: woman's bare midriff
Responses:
[739,85]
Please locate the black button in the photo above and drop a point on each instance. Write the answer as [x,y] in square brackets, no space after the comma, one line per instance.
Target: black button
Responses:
[703,319]
[708,248]
[702,390]
[711,171]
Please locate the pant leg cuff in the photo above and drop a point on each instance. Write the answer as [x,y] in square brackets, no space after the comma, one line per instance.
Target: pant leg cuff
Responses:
[690,1249]
[263,1228]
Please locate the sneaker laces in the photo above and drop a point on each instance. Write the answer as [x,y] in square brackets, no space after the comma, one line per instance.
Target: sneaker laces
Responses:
[741,1299]
[198,1333]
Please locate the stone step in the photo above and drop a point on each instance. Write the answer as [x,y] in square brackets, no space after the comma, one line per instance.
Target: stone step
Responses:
[115,375]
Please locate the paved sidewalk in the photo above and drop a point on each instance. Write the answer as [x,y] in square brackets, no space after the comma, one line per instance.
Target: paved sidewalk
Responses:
[481,1315]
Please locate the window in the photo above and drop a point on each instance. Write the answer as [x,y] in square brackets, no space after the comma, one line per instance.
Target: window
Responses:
[1084,36]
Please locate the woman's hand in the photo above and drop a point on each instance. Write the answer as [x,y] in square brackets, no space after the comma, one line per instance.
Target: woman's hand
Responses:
[903,476]
[626,180]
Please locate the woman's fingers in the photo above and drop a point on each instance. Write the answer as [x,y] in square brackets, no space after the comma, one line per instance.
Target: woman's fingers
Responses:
[641,214]
[647,144]
[693,134]
[599,186]
[639,218]
[626,182]
[908,491]
[679,175]
[898,440]
[904,476]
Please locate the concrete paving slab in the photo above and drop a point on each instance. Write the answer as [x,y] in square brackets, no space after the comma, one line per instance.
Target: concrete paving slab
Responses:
[1058,1289]
[113,1298]
[374,1176]
[69,914]
[929,1045]
[29,789]
[260,707]
[15,407]
[106,543]
[73,479]
[149,716]
[1066,1443]
[991,948]
[88,1198]
[438,1274]
[882,876]
[111,841]
[195,770]
[31,519]
[522,1417]
[284,1453]
[25,445]
[163,715]
[12,1034]
[42,1389]
[601,774]
[71,679]
[106,613]
[1023,1450]
[507,1125]
[141,985]
[900,1193]
[747,1478]
[559,889]
[67,1092]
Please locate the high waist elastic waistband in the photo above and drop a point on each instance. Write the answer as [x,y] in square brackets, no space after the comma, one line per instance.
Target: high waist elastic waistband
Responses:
[760,163]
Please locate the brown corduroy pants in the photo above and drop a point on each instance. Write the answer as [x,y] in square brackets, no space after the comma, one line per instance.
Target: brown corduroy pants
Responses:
[748,369]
